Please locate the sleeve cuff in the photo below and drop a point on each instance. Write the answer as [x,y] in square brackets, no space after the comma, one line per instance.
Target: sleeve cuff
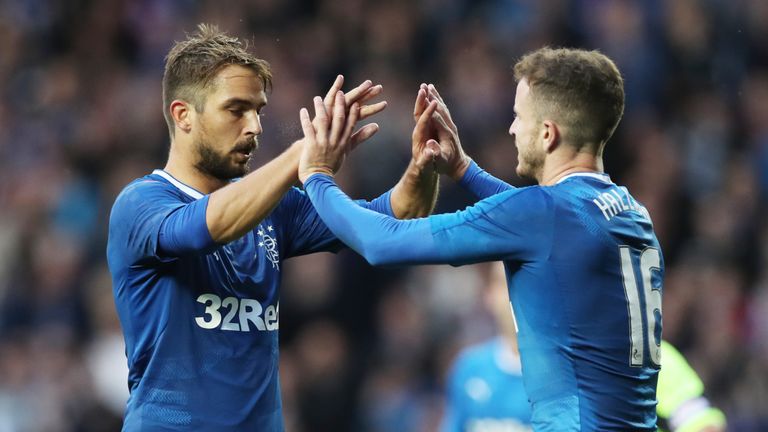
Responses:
[472,171]
[383,204]
[317,176]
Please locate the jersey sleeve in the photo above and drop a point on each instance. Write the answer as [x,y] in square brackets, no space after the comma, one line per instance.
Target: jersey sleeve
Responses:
[307,233]
[514,225]
[185,230]
[149,222]
[482,184]
[682,406]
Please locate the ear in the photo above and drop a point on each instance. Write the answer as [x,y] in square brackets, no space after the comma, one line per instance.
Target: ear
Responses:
[550,136]
[182,114]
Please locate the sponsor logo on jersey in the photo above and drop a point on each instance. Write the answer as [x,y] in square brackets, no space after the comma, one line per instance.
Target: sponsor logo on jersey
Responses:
[236,314]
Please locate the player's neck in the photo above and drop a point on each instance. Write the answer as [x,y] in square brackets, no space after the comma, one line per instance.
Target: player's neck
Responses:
[183,169]
[558,166]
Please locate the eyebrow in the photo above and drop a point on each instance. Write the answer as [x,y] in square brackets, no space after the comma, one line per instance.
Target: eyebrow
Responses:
[242,102]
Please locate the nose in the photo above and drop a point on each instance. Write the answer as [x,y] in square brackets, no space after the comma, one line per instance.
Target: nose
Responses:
[514,126]
[252,123]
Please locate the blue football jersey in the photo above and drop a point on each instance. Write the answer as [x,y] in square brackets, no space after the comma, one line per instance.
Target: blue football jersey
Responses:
[485,391]
[584,270]
[201,328]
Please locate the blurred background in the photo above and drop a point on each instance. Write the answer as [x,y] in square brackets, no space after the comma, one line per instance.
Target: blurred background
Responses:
[367,349]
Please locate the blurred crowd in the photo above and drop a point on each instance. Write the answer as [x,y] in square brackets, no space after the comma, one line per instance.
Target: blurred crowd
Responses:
[362,348]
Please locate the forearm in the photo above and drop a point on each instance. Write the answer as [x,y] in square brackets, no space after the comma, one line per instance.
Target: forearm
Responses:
[380,239]
[385,240]
[416,193]
[237,208]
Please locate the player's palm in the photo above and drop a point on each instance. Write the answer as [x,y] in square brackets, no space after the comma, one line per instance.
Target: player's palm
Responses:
[361,94]
[326,137]
[424,146]
[452,159]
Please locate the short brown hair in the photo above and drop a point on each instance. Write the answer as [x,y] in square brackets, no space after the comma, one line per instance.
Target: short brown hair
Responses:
[192,64]
[583,90]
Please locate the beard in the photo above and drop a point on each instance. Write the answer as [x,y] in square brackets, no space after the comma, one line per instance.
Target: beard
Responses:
[224,166]
[530,160]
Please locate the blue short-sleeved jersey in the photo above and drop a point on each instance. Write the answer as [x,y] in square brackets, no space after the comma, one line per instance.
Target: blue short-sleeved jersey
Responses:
[201,327]
[584,270]
[485,391]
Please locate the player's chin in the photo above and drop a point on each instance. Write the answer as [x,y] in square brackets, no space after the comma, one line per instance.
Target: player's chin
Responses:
[521,170]
[243,170]
[239,168]
[526,172]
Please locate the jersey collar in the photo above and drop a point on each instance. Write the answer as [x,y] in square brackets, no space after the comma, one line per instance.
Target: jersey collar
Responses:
[600,176]
[192,192]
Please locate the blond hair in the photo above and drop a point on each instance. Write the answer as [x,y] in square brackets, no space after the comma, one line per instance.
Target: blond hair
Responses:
[192,64]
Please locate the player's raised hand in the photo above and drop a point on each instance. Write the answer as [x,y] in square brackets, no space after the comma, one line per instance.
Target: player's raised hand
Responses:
[360,94]
[442,107]
[327,138]
[363,93]
[421,103]
[424,147]
[452,160]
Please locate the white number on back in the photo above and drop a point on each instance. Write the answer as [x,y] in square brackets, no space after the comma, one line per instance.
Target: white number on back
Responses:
[650,260]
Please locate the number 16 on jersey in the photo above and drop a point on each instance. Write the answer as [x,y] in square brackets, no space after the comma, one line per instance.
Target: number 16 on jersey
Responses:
[646,308]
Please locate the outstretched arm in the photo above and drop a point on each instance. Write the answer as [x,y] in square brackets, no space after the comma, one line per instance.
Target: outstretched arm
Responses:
[238,207]
[490,230]
[493,229]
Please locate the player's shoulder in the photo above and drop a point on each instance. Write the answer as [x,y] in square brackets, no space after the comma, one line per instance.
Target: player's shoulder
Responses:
[532,197]
[295,193]
[146,187]
[537,201]
[598,194]
[524,192]
[291,201]
[143,191]
[588,185]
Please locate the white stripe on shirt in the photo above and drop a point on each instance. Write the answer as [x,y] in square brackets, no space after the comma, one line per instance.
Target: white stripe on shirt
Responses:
[181,186]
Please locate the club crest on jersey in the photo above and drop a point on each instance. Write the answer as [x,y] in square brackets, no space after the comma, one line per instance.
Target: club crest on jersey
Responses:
[269,244]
